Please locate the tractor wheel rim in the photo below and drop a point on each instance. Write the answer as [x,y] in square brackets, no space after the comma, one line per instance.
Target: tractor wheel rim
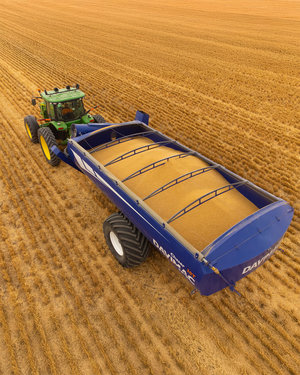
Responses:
[28,131]
[116,243]
[45,147]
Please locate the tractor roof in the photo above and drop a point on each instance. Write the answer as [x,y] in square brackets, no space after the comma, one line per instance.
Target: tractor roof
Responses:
[62,95]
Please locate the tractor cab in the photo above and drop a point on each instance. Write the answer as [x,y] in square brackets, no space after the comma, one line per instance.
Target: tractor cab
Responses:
[63,104]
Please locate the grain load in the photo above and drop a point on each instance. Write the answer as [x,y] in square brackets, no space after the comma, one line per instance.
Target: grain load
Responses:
[202,225]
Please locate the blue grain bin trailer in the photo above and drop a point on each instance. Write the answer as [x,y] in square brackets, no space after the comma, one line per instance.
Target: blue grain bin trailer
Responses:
[213,225]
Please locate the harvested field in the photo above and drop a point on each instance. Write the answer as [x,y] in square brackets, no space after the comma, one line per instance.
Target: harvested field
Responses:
[220,76]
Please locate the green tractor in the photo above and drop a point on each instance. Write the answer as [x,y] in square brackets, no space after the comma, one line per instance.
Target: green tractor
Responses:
[59,108]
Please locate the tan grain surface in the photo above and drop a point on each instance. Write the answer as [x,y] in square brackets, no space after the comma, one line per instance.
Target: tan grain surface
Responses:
[220,76]
[199,227]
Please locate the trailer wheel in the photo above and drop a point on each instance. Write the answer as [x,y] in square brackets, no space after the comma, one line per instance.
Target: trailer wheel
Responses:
[47,140]
[31,127]
[99,119]
[128,245]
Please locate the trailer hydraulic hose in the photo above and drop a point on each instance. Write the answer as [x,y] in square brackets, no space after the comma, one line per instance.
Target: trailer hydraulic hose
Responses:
[218,272]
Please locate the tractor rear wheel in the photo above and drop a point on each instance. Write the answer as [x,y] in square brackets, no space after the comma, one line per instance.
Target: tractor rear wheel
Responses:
[128,245]
[99,119]
[47,140]
[31,127]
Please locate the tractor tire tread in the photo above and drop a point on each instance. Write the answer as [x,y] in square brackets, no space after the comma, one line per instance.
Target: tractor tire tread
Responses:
[99,119]
[33,125]
[51,141]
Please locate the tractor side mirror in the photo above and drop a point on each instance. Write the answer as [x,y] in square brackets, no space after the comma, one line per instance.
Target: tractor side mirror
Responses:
[33,101]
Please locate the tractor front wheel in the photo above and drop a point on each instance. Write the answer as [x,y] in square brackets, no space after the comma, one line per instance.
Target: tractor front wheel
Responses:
[47,140]
[99,119]
[128,245]
[31,127]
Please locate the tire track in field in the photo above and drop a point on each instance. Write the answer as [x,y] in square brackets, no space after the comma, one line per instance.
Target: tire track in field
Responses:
[8,341]
[19,316]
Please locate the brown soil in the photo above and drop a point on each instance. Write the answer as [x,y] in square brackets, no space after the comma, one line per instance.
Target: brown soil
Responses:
[222,78]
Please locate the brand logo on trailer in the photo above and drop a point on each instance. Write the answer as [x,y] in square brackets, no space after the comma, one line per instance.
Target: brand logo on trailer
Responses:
[260,261]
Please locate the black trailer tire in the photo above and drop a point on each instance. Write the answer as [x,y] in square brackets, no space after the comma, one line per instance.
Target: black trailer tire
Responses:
[128,245]
[99,119]
[47,140]
[31,127]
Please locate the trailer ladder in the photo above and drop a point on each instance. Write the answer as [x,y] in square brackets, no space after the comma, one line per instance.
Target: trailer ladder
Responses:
[180,179]
[205,198]
[123,139]
[138,151]
[156,164]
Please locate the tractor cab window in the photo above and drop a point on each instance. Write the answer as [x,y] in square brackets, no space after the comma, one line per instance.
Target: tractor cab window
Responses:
[43,110]
[68,111]
[50,110]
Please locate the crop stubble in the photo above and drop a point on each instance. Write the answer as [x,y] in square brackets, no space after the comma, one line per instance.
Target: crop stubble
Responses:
[220,77]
